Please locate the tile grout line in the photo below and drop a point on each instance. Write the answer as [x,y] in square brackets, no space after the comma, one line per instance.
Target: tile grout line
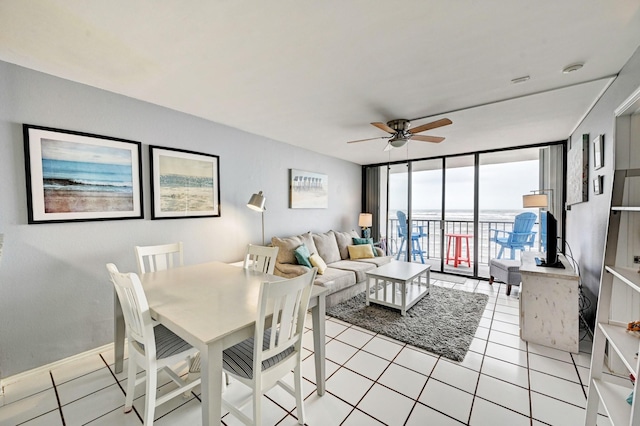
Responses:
[55,389]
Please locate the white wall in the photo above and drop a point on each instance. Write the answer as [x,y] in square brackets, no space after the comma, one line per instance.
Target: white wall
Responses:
[55,297]
[587,222]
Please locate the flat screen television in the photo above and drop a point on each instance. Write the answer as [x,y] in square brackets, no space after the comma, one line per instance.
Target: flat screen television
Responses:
[551,260]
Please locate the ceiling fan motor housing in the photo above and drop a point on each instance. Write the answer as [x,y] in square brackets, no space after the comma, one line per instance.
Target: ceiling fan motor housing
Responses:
[401,126]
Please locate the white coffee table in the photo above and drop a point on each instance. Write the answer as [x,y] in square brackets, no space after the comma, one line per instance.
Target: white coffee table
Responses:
[398,284]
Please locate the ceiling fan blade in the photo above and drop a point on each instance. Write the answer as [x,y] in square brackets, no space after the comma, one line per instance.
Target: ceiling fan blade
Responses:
[425,138]
[370,139]
[383,126]
[432,125]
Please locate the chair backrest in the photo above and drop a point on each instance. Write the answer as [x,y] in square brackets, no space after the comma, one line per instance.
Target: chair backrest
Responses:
[522,227]
[159,258]
[135,308]
[402,224]
[283,308]
[261,258]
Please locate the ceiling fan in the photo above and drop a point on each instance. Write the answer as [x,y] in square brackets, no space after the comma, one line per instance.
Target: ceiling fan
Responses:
[401,132]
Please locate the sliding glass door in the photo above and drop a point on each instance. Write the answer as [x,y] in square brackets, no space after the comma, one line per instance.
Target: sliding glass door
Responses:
[457,213]
[426,212]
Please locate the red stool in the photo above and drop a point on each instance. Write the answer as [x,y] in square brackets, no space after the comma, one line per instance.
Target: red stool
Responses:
[457,257]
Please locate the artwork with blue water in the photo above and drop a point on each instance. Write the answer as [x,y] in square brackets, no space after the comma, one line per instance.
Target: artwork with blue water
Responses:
[79,177]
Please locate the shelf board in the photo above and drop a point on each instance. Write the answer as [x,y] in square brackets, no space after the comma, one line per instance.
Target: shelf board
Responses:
[625,344]
[614,400]
[630,276]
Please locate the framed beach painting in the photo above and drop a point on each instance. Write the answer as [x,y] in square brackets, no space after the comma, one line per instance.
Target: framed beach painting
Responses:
[75,176]
[308,190]
[184,184]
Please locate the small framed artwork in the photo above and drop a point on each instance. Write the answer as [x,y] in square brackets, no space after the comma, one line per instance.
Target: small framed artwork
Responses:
[308,190]
[597,185]
[75,176]
[184,184]
[598,152]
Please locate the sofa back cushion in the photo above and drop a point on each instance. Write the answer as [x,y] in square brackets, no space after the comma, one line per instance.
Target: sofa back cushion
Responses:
[327,247]
[288,245]
[344,240]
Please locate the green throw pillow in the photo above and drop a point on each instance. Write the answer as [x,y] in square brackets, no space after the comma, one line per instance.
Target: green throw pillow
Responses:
[360,241]
[302,255]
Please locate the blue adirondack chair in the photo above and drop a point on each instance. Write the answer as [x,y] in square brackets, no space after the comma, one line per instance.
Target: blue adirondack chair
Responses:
[417,232]
[519,238]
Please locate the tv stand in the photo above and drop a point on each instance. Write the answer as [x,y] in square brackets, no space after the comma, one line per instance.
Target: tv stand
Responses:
[549,304]
[543,263]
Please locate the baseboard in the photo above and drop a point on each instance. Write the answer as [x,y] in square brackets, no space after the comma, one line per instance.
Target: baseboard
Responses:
[17,377]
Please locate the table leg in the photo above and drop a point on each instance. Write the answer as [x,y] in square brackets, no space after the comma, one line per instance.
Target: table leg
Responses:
[318,318]
[403,287]
[118,332]
[211,374]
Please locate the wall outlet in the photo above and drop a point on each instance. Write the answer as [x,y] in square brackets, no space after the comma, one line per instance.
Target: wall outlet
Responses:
[636,259]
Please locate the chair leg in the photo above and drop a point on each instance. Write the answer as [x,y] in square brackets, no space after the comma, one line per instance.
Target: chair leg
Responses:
[150,397]
[297,377]
[419,249]
[131,383]
[500,252]
[400,248]
[257,407]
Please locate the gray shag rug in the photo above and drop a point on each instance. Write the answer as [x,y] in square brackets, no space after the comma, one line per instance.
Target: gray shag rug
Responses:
[443,322]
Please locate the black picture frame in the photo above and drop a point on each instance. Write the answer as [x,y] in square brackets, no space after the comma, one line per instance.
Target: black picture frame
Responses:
[184,184]
[74,176]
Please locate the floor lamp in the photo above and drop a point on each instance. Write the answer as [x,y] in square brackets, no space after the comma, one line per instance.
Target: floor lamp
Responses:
[256,202]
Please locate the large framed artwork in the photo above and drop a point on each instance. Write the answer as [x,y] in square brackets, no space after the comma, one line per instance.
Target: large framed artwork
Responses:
[184,184]
[308,190]
[75,176]
[578,172]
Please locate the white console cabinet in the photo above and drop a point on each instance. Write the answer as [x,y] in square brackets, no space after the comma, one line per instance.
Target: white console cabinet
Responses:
[549,304]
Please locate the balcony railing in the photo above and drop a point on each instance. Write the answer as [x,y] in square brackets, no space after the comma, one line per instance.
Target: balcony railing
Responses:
[430,243]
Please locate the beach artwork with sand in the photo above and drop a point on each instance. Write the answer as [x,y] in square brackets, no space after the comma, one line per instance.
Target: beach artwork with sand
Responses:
[186,185]
[79,177]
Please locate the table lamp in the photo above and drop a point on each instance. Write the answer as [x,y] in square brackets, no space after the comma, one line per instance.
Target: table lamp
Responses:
[365,221]
[256,202]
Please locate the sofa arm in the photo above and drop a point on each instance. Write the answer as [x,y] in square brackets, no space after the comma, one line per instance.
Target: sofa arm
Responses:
[287,270]
[379,252]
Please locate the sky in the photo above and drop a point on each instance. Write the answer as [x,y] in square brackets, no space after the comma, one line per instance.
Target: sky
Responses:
[501,187]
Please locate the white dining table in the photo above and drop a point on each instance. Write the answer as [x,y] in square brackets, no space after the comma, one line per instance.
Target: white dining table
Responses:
[214,306]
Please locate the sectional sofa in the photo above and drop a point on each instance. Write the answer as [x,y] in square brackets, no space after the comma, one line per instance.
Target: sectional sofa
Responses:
[344,276]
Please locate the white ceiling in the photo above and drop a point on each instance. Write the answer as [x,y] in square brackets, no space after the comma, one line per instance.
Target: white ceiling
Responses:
[316,73]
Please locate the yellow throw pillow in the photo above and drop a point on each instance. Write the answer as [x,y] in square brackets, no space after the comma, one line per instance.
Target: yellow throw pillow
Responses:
[362,251]
[317,261]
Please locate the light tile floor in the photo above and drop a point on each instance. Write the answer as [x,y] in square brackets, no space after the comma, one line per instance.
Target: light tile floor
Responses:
[371,380]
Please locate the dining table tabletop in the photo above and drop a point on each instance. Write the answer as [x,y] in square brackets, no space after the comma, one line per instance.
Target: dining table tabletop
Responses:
[213,306]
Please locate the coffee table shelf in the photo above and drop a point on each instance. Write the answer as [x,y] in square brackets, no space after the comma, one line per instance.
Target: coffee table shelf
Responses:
[398,285]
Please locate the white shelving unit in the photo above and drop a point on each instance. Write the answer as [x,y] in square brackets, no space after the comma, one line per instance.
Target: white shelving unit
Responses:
[606,389]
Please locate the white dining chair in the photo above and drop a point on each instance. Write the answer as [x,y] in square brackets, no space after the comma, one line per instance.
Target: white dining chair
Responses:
[282,309]
[261,258]
[159,257]
[151,348]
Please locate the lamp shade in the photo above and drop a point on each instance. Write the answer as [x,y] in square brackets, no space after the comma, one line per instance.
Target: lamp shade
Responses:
[256,202]
[365,220]
[535,200]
